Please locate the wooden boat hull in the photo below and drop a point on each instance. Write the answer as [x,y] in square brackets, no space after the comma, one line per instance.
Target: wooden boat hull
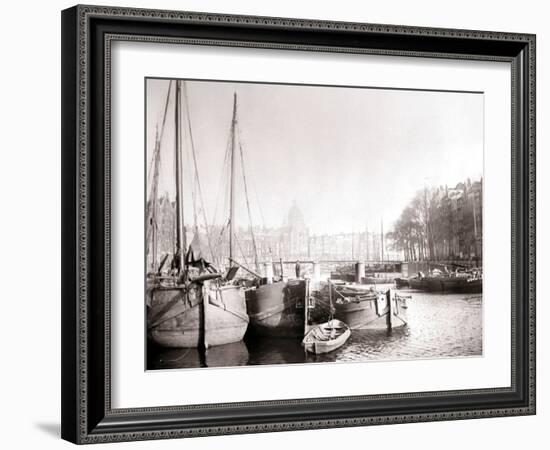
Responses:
[418,283]
[371,313]
[318,340]
[443,284]
[434,284]
[470,286]
[177,318]
[451,284]
[277,309]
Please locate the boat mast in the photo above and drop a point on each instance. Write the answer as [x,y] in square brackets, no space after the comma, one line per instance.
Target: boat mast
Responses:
[154,199]
[254,246]
[181,245]
[232,188]
[152,211]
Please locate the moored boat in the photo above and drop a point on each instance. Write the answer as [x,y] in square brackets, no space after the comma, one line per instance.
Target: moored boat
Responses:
[461,282]
[277,309]
[192,305]
[471,285]
[326,337]
[418,282]
[401,283]
[182,317]
[433,283]
[362,307]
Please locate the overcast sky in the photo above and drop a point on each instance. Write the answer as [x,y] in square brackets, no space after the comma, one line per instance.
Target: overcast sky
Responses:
[349,157]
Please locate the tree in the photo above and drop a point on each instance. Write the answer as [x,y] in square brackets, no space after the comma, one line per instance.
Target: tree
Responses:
[439,223]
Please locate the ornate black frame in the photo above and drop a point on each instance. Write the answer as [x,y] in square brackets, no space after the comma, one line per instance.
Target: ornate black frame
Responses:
[87,32]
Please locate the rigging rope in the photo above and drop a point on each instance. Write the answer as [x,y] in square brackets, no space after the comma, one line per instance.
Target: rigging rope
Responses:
[225,169]
[241,249]
[220,242]
[254,246]
[198,185]
[163,122]
[152,204]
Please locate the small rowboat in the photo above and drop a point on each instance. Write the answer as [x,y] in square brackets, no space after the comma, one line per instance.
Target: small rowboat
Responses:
[326,337]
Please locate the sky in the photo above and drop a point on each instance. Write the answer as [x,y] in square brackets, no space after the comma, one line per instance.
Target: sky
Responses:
[349,157]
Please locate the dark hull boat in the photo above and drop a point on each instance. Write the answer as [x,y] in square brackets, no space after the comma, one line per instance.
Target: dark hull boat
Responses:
[277,309]
[180,317]
[418,283]
[401,283]
[435,284]
[464,285]
[457,284]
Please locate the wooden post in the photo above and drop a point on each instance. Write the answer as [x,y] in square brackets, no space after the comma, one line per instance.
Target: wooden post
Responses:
[359,271]
[316,271]
[389,318]
[205,304]
[330,298]
[306,307]
[268,271]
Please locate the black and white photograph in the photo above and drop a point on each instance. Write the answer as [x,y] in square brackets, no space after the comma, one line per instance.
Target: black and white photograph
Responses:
[275,225]
[291,223]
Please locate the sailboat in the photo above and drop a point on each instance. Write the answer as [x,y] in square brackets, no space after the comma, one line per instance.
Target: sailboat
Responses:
[192,305]
[275,307]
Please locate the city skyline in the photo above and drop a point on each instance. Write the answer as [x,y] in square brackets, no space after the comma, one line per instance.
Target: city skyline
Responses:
[453,233]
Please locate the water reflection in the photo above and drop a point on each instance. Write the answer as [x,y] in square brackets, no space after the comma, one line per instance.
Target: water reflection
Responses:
[439,325]
[228,355]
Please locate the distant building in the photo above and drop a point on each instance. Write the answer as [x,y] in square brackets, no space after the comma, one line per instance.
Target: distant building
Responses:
[291,241]
[294,234]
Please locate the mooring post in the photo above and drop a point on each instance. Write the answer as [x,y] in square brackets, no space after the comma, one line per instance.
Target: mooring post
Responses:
[306,306]
[359,272]
[389,318]
[205,302]
[316,271]
[268,272]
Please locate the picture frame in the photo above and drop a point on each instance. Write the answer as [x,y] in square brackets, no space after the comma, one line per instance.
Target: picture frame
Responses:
[88,33]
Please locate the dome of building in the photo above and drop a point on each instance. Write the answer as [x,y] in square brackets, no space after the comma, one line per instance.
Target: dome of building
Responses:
[295,218]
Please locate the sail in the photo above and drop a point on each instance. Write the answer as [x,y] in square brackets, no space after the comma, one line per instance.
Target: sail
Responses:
[196,254]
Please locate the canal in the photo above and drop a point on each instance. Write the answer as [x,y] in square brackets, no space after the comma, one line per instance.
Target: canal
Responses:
[438,326]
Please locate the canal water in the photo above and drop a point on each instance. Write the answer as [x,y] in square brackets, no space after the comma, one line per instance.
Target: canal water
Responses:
[438,325]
